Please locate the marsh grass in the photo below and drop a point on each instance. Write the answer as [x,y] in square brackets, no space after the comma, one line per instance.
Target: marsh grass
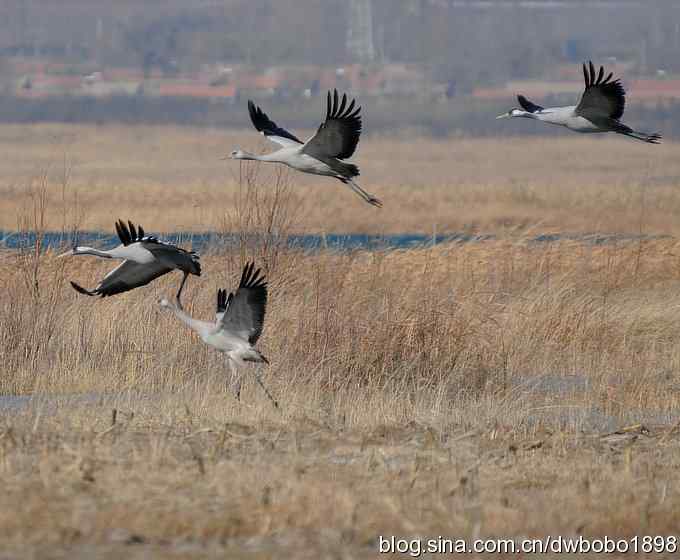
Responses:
[497,388]
[265,214]
[172,179]
[460,389]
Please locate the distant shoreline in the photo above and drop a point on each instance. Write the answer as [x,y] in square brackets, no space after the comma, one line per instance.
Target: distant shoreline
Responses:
[464,115]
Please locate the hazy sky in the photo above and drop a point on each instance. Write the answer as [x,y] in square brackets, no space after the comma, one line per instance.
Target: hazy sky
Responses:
[490,40]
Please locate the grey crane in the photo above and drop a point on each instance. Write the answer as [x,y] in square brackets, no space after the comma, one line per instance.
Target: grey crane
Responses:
[145,258]
[599,110]
[239,321]
[335,140]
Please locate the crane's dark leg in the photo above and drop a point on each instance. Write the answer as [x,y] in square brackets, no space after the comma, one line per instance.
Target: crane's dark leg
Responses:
[649,138]
[368,197]
[258,376]
[234,379]
[179,293]
[628,131]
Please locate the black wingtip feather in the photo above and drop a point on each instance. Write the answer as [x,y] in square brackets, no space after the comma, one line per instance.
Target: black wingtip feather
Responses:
[343,104]
[251,278]
[251,295]
[344,119]
[255,115]
[266,126]
[610,88]
[244,273]
[82,290]
[528,105]
[123,233]
[129,233]
[221,300]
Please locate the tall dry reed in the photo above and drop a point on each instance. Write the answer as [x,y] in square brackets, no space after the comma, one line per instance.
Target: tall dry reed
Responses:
[493,388]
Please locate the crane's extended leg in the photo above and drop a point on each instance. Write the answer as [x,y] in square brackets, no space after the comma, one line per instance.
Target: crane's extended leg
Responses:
[368,197]
[234,380]
[628,131]
[258,376]
[179,292]
[649,138]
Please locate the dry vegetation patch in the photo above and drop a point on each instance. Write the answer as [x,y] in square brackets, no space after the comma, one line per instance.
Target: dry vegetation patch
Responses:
[172,179]
[495,388]
[461,390]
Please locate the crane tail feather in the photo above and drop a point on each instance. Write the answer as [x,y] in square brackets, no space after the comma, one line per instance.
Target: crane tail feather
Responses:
[82,290]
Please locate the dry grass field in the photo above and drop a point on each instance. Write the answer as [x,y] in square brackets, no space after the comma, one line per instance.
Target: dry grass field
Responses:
[173,179]
[503,388]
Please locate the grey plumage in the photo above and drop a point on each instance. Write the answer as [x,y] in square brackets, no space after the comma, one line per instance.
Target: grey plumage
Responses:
[601,106]
[244,311]
[603,98]
[127,276]
[239,320]
[338,136]
[145,258]
[335,140]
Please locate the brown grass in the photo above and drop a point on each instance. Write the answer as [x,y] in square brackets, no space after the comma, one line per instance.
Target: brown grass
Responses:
[464,390]
[503,388]
[172,179]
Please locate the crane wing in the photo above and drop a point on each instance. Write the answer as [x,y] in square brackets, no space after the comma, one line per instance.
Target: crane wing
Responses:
[128,234]
[221,305]
[243,313]
[270,129]
[528,105]
[338,135]
[603,97]
[172,256]
[128,275]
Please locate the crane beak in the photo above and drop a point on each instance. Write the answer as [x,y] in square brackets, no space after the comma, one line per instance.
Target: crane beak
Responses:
[503,116]
[67,253]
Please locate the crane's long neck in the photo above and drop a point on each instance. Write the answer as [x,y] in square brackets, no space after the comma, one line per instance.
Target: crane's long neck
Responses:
[272,157]
[92,251]
[246,155]
[187,319]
